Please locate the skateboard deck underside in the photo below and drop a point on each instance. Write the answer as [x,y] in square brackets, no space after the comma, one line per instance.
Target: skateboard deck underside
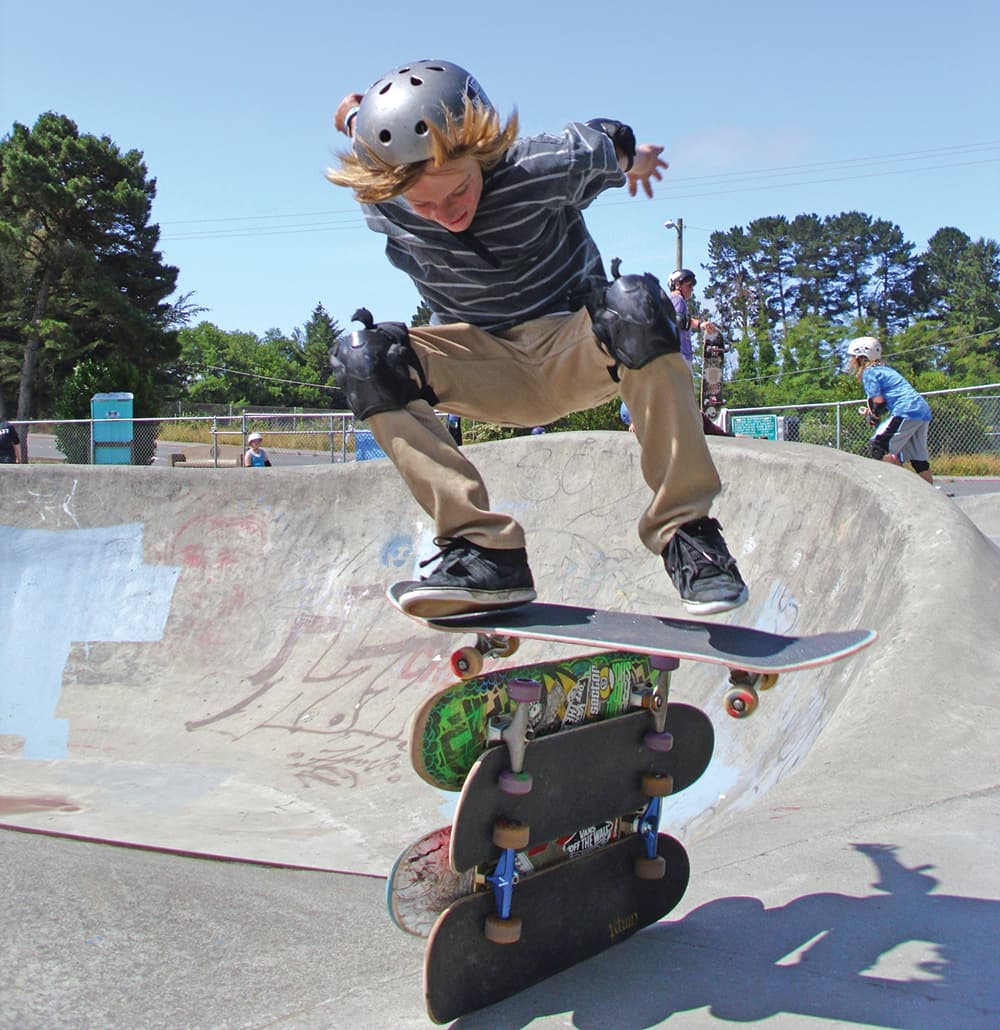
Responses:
[719,643]
[449,730]
[712,367]
[569,913]
[579,778]
[422,883]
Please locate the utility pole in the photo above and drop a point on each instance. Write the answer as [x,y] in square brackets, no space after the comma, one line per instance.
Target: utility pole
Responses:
[678,224]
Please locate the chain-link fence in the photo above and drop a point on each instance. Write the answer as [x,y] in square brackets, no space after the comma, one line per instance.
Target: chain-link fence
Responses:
[220,441]
[964,422]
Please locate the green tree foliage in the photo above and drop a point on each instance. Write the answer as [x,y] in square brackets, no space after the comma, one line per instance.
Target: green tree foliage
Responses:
[792,293]
[242,370]
[80,275]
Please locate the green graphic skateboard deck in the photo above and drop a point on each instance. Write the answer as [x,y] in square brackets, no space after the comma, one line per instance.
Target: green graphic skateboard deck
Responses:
[450,729]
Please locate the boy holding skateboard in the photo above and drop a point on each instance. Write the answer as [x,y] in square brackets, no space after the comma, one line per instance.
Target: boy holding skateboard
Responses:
[904,437]
[525,328]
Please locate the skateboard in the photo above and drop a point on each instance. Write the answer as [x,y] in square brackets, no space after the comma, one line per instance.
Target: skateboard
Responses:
[452,728]
[569,912]
[422,883]
[506,926]
[713,357]
[424,880]
[754,657]
[577,778]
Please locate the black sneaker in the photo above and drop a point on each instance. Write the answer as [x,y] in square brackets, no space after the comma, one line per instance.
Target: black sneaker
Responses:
[469,579]
[703,570]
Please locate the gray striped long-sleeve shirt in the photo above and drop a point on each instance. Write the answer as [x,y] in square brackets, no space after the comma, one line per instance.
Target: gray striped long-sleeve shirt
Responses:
[527,252]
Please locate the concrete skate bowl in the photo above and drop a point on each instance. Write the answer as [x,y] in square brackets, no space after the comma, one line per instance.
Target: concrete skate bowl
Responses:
[203,660]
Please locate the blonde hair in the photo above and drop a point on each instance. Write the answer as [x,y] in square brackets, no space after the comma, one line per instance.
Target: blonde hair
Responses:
[477,133]
[861,363]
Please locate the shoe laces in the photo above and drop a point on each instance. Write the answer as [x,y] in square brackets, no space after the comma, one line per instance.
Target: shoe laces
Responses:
[695,552]
[448,545]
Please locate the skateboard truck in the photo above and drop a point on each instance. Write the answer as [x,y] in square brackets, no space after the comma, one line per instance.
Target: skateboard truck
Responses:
[513,731]
[658,739]
[467,662]
[501,927]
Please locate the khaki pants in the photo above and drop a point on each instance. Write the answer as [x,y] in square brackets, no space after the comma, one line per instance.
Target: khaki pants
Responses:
[528,376]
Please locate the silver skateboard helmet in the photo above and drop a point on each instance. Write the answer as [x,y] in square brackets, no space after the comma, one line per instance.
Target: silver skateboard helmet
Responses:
[395,112]
[682,275]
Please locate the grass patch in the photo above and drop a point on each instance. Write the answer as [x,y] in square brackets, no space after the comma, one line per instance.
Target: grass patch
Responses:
[987,465]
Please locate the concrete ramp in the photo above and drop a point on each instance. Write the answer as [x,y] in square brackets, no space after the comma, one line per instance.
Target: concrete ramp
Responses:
[203,660]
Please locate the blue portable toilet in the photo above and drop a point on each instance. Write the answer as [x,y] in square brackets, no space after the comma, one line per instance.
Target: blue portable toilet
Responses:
[112,440]
[365,447]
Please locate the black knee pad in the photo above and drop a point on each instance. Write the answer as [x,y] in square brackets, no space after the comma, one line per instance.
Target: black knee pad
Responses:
[634,318]
[377,368]
[920,466]
[876,449]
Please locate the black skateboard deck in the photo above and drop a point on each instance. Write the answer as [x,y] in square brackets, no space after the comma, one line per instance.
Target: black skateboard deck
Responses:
[719,643]
[580,777]
[569,912]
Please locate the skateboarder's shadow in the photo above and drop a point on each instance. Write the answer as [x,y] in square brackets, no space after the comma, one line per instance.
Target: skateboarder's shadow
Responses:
[901,956]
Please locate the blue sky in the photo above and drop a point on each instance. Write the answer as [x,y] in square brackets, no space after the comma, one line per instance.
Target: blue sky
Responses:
[888,107]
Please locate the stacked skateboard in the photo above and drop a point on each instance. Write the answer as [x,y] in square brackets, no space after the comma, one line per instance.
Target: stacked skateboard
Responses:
[563,770]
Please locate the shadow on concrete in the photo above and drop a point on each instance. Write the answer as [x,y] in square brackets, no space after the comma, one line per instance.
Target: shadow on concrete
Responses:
[901,956]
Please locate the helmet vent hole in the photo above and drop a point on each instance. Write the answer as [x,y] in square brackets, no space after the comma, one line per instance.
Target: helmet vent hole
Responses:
[385,89]
[421,128]
[415,80]
[385,136]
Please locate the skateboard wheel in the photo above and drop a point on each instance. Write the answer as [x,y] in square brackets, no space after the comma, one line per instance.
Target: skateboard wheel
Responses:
[506,646]
[466,663]
[524,690]
[514,783]
[767,681]
[502,931]
[741,702]
[658,741]
[511,835]
[657,785]
[650,868]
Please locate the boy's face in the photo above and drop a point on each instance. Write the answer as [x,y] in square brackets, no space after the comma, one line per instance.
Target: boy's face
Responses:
[448,195]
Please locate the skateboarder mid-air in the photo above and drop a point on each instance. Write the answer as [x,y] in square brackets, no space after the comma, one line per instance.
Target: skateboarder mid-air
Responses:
[526,327]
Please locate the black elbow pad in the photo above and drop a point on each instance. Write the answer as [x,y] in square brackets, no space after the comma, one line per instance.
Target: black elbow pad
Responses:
[620,134]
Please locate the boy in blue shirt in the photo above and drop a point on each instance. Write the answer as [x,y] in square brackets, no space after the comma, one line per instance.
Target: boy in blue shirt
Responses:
[889,393]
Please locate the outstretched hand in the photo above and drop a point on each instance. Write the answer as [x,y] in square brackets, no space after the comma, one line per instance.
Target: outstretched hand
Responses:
[645,168]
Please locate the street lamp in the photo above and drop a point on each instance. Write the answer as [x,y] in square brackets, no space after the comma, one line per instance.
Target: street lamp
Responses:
[678,224]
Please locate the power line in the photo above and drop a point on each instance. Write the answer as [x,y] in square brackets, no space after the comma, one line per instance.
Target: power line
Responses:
[263,378]
[716,184]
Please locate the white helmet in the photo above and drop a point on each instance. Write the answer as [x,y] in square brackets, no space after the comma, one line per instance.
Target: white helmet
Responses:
[682,275]
[865,347]
[252,437]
